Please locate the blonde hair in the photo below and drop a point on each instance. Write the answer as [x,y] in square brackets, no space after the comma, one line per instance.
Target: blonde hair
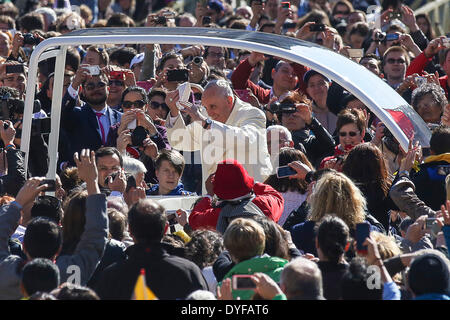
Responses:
[335,193]
[244,239]
[387,247]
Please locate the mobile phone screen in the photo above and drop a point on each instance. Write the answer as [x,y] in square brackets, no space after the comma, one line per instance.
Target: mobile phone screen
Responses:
[241,282]
[362,233]
[317,27]
[51,184]
[392,36]
[429,223]
[181,75]
[285,5]
[285,171]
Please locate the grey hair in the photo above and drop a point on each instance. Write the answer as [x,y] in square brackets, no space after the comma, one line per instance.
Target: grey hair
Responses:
[277,127]
[201,295]
[133,166]
[436,91]
[223,86]
[302,279]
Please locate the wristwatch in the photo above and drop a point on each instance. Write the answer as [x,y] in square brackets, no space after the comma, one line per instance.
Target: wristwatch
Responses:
[208,122]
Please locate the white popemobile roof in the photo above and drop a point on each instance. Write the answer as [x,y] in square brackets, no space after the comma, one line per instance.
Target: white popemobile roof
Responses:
[378,96]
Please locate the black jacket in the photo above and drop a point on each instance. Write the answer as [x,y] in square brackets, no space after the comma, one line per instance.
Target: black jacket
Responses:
[430,181]
[16,177]
[332,274]
[169,277]
[378,204]
[318,145]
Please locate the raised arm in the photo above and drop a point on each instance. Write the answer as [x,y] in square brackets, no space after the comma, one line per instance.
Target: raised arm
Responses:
[90,249]
[15,179]
[10,213]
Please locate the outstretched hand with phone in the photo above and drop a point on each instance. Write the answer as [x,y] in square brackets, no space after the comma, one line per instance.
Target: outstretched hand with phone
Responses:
[81,76]
[434,46]
[201,10]
[123,140]
[17,43]
[7,134]
[372,251]
[301,169]
[30,191]
[305,33]
[284,12]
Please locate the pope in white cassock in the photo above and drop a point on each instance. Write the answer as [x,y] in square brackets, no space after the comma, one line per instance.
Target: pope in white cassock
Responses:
[229,129]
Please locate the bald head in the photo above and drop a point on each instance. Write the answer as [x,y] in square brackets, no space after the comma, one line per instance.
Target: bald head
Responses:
[301,279]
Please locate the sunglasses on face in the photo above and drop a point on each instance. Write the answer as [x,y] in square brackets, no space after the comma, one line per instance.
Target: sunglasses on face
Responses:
[117,83]
[155,105]
[91,85]
[350,133]
[137,104]
[392,61]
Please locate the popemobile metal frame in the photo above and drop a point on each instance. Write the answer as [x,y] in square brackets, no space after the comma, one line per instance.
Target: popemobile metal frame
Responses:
[397,115]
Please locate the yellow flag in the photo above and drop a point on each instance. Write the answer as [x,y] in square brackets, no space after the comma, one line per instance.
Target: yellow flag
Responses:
[183,235]
[141,291]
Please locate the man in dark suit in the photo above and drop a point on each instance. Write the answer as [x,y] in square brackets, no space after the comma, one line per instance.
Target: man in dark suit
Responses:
[168,276]
[88,125]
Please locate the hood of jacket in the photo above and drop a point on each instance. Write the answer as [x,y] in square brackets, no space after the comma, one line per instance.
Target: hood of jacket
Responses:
[443,157]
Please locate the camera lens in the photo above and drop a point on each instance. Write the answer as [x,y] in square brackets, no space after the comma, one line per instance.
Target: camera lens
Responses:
[380,36]
[138,136]
[161,20]
[198,61]
[28,38]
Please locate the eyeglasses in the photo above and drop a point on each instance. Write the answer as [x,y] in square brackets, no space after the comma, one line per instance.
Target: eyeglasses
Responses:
[350,133]
[138,104]
[156,105]
[392,61]
[91,86]
[117,83]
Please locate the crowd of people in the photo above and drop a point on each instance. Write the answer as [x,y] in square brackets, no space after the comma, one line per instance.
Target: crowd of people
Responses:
[140,123]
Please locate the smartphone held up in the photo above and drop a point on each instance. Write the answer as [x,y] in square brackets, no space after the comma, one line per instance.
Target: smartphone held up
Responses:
[242,282]
[362,233]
